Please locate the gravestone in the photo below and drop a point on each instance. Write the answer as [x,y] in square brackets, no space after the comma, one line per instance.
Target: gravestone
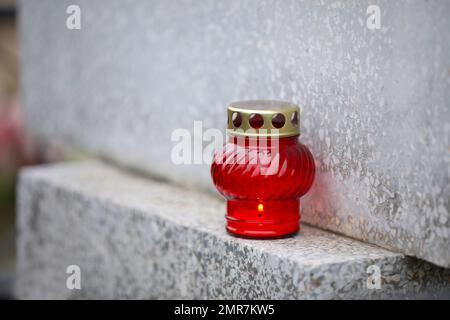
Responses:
[375,101]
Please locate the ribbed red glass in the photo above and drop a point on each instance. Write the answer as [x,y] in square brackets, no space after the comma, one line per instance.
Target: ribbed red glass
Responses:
[263,198]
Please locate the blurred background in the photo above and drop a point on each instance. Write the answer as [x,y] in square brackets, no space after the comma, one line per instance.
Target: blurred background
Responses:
[15,150]
[12,149]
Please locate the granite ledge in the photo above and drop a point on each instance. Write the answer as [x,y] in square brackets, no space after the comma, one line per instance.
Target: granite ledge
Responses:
[137,238]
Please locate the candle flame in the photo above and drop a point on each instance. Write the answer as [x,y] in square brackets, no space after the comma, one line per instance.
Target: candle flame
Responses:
[260,207]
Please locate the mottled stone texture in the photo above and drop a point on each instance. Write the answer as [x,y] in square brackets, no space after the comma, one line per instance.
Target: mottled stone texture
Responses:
[137,238]
[375,103]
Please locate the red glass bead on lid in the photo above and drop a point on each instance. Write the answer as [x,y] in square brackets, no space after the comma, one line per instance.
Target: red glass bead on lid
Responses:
[263,169]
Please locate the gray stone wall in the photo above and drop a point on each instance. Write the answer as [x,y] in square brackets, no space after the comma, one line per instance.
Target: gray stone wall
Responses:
[375,103]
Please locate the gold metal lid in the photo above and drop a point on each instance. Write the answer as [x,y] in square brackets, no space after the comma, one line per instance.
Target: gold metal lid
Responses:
[263,118]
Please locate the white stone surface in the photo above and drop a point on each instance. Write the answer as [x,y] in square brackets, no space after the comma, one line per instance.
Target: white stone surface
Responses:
[375,102]
[137,238]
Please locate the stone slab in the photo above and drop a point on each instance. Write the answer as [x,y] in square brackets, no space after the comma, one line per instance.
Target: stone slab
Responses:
[137,238]
[375,103]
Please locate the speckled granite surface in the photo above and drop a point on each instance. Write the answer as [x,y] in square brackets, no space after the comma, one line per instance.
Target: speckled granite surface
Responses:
[375,103]
[136,238]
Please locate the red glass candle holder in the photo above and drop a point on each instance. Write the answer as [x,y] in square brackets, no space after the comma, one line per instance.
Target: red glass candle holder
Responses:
[263,169]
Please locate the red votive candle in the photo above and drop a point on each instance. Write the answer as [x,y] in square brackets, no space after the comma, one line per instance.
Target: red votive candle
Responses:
[263,169]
